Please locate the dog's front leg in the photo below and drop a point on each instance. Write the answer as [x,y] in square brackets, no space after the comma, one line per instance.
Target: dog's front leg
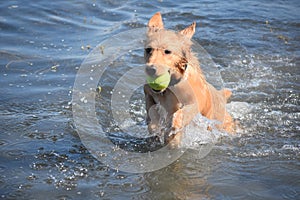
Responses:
[181,118]
[157,116]
[155,113]
[173,134]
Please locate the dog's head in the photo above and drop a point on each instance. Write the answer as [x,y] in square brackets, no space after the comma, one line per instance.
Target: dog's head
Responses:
[167,51]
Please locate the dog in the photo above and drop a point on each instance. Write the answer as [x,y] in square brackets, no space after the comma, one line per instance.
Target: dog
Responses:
[188,93]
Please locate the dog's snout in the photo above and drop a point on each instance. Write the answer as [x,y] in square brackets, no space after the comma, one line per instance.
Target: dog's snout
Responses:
[151,70]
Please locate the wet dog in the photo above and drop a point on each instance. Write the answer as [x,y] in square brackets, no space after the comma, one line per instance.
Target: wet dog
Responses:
[188,93]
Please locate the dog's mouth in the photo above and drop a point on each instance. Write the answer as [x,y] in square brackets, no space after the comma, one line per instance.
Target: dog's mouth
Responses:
[174,79]
[159,83]
[158,91]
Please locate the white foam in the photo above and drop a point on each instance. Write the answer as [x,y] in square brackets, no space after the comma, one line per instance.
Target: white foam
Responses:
[197,134]
[238,109]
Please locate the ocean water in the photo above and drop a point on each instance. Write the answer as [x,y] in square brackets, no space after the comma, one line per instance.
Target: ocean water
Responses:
[255,46]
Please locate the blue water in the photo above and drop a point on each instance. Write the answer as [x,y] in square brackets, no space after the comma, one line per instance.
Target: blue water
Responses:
[255,45]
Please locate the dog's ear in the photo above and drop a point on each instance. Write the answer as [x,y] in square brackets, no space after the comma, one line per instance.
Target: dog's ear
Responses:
[189,31]
[156,23]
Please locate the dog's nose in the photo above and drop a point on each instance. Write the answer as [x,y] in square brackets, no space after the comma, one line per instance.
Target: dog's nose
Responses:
[151,70]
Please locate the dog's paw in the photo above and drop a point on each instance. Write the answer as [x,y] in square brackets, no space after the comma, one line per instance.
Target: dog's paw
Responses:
[153,128]
[174,139]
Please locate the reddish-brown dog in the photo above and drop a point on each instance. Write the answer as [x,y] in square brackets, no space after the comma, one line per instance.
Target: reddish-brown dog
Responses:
[188,93]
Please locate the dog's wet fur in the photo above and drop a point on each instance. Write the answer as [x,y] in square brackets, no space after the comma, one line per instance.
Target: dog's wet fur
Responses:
[171,109]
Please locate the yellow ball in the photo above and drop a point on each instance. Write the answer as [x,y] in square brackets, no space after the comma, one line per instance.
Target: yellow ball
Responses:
[159,83]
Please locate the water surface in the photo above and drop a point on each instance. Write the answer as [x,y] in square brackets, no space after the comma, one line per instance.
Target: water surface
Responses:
[255,45]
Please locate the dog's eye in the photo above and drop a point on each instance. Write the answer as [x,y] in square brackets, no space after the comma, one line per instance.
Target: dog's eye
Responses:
[148,50]
[168,51]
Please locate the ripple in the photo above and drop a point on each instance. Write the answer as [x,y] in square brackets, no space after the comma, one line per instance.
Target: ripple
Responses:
[17,153]
[3,142]
[64,197]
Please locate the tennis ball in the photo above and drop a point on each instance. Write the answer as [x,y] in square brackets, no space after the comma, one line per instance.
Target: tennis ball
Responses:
[160,82]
